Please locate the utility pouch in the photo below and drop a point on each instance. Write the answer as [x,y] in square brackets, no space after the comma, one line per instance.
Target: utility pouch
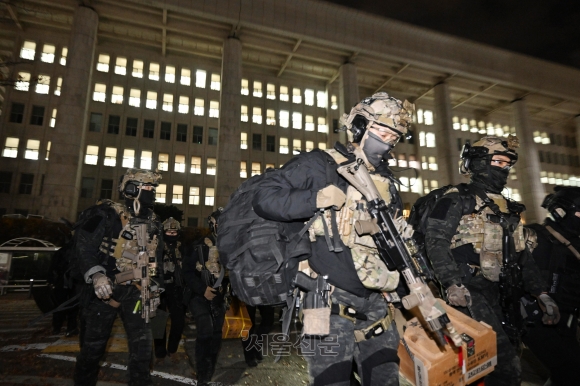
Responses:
[490,264]
[124,276]
[316,321]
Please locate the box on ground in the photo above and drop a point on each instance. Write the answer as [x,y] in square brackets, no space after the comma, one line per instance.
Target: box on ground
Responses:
[237,321]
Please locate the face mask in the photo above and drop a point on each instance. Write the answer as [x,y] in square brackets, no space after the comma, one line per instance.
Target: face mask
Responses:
[571,223]
[147,198]
[375,149]
[170,239]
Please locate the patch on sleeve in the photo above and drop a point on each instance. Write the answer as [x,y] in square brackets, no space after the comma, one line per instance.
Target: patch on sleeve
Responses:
[441,209]
[92,224]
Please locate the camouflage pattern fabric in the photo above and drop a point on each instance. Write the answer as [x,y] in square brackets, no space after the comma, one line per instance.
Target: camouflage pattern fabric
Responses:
[376,358]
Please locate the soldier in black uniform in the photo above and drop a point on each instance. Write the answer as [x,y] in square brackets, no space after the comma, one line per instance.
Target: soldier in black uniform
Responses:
[464,242]
[172,297]
[108,244]
[558,257]
[204,275]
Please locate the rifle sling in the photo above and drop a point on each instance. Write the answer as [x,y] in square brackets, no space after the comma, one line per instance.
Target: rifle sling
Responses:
[564,241]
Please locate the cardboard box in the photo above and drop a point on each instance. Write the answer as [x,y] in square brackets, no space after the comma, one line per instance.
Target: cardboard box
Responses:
[237,322]
[435,366]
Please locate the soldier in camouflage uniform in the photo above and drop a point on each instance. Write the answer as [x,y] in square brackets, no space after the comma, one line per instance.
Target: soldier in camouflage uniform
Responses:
[107,245]
[464,242]
[358,325]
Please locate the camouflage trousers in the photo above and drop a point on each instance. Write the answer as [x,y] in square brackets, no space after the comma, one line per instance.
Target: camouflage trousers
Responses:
[485,307]
[98,318]
[330,359]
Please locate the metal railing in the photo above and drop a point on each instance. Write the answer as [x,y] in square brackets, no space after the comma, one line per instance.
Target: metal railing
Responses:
[22,286]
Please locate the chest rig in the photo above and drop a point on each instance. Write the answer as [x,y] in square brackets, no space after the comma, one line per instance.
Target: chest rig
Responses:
[210,267]
[171,257]
[483,231]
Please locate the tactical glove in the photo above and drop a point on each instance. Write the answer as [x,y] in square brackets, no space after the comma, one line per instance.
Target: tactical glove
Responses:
[330,196]
[210,293]
[103,286]
[550,308]
[458,295]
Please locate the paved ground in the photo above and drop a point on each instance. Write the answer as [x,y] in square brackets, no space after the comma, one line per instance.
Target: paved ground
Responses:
[32,355]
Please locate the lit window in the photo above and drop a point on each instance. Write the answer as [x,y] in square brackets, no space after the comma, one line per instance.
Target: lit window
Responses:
[28,50]
[270,166]
[209,196]
[214,109]
[428,115]
[167,102]
[92,156]
[185,77]
[193,195]
[110,156]
[296,146]
[309,97]
[420,116]
[146,159]
[322,145]
[296,95]
[23,81]
[100,93]
[421,138]
[200,78]
[48,150]
[297,120]
[211,167]
[48,51]
[198,109]
[177,194]
[432,164]
[183,107]
[498,131]
[103,63]
[416,185]
[244,141]
[283,145]
[43,84]
[270,117]
[32,148]
[321,99]
[473,124]
[161,193]
[456,124]
[309,145]
[430,139]
[163,162]
[271,91]
[464,124]
[10,148]
[135,97]
[58,86]
[309,123]
[179,163]
[244,113]
[243,170]
[128,158]
[63,56]
[481,126]
[413,163]
[284,93]
[333,102]
[195,165]
[170,74]
[151,102]
[402,160]
[256,168]
[137,69]
[154,71]
[121,66]
[53,118]
[551,179]
[404,187]
[257,89]
[245,87]
[284,118]
[215,83]
[257,115]
[117,96]
[424,165]
[322,126]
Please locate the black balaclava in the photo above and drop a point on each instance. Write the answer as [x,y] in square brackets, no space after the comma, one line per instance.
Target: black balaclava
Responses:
[571,223]
[170,238]
[491,178]
[375,149]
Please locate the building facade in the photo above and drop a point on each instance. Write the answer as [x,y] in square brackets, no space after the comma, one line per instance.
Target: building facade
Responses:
[213,92]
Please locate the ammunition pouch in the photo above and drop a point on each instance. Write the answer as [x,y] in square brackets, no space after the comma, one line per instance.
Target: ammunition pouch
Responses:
[316,321]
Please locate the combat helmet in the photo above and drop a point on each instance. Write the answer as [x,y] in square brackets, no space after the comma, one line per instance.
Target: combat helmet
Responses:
[131,183]
[171,224]
[485,149]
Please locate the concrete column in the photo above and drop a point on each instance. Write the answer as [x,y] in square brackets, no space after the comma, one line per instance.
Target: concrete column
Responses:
[447,156]
[349,95]
[577,122]
[63,173]
[229,153]
[528,166]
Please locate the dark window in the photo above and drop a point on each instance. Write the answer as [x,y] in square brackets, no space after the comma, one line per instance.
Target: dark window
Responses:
[570,160]
[411,139]
[192,221]
[87,187]
[148,128]
[131,128]
[256,141]
[26,181]
[577,163]
[558,139]
[563,159]
[335,125]
[181,133]
[271,143]
[107,189]
[552,139]
[541,155]
[212,136]
[41,184]
[548,157]
[96,121]
[165,131]
[114,123]
[5,182]
[17,113]
[459,144]
[555,158]
[198,134]
[37,116]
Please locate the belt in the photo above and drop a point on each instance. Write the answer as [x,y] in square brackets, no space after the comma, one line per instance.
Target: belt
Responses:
[375,329]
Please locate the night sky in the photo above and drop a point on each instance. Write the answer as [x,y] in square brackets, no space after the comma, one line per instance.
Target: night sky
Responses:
[546,29]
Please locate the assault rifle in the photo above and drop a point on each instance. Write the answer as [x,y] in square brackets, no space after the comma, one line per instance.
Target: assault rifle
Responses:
[396,252]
